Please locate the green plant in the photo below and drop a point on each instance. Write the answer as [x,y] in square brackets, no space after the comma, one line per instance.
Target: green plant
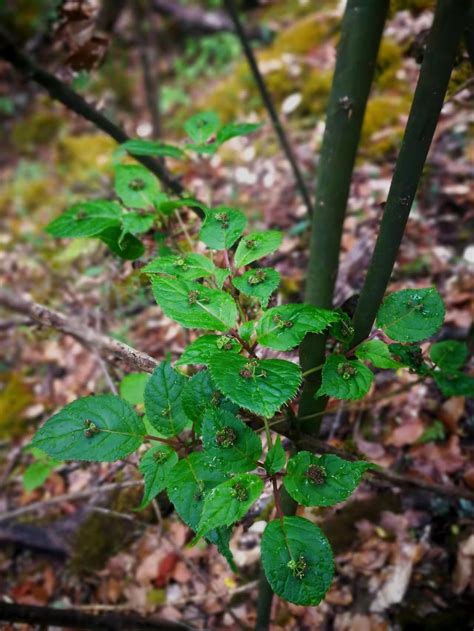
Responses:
[206,413]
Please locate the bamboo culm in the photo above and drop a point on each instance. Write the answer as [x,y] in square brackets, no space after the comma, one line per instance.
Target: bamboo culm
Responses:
[442,46]
[361,33]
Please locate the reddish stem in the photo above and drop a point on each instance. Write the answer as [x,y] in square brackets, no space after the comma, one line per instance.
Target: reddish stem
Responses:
[276,495]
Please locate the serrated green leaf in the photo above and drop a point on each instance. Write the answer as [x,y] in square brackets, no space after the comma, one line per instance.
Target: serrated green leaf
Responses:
[297,560]
[411,315]
[86,219]
[229,501]
[189,267]
[411,356]
[222,227]
[229,442]
[200,393]
[449,355]
[378,353]
[134,223]
[187,483]
[454,383]
[137,147]
[126,246]
[155,466]
[132,387]
[345,379]
[101,428]
[201,350]
[342,330]
[163,400]
[194,306]
[258,283]
[233,130]
[246,330]
[135,185]
[257,245]
[261,386]
[284,327]
[322,480]
[276,458]
[220,537]
[38,472]
[202,126]
[220,274]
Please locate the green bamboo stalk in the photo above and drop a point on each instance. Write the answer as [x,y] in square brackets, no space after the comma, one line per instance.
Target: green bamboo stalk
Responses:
[442,46]
[361,32]
[469,34]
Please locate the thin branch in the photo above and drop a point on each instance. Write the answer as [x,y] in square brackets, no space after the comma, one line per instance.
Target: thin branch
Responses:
[96,342]
[198,21]
[67,497]
[75,102]
[268,102]
[74,619]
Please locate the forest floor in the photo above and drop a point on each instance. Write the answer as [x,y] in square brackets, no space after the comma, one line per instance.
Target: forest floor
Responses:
[404,556]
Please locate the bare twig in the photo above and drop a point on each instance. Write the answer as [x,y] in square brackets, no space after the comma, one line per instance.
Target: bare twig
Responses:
[97,342]
[198,21]
[268,102]
[67,497]
[75,619]
[76,103]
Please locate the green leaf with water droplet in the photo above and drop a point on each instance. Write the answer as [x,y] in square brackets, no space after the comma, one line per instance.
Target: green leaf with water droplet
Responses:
[256,245]
[284,327]
[377,353]
[222,227]
[163,400]
[261,386]
[189,267]
[229,501]
[155,466]
[200,127]
[276,458]
[126,246]
[454,383]
[101,428]
[187,484]
[138,147]
[449,354]
[132,387]
[200,393]
[258,283]
[297,560]
[199,352]
[229,442]
[322,480]
[411,315]
[136,186]
[86,219]
[193,305]
[345,379]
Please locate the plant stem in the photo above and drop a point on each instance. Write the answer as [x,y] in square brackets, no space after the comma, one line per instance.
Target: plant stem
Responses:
[443,43]
[268,433]
[362,27]
[165,441]
[270,107]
